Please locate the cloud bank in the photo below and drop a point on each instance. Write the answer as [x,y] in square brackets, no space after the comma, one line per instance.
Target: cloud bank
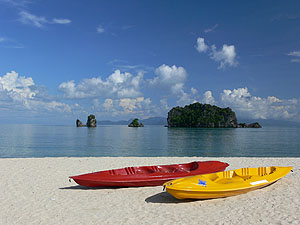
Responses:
[116,85]
[18,92]
[271,107]
[122,95]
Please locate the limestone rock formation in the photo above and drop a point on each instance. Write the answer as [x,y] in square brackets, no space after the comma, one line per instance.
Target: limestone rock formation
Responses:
[135,123]
[201,115]
[91,122]
[79,123]
[205,116]
[250,125]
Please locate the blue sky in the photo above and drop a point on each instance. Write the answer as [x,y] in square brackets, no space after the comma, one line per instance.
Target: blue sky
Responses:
[62,60]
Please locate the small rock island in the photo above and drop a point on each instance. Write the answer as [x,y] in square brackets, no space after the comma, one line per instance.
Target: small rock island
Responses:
[135,123]
[91,122]
[205,116]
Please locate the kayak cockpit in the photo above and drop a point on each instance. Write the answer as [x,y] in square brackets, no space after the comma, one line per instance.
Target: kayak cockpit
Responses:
[184,168]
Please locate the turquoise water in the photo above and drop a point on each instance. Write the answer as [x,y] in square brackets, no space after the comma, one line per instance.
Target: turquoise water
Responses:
[69,141]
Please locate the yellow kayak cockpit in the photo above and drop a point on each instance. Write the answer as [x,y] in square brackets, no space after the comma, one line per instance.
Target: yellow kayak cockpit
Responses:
[243,174]
[224,184]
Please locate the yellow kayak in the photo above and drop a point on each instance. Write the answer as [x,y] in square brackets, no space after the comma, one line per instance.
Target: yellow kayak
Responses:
[224,184]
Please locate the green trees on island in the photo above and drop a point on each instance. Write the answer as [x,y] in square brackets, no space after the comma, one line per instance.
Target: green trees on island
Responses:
[206,116]
[135,123]
[201,115]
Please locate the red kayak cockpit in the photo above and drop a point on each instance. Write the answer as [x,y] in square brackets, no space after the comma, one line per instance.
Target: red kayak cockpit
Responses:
[147,175]
[188,167]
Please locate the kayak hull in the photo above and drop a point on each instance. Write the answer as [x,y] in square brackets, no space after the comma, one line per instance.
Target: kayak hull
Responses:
[147,175]
[225,184]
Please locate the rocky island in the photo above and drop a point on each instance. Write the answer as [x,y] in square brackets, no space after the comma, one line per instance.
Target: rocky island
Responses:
[135,123]
[91,122]
[205,116]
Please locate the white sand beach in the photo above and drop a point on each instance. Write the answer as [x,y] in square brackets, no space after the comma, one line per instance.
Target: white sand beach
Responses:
[38,191]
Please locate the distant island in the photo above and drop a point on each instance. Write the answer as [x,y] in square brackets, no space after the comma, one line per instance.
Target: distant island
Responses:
[91,122]
[148,121]
[205,116]
[193,115]
[135,123]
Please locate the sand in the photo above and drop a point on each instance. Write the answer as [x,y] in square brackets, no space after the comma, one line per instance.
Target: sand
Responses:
[37,191]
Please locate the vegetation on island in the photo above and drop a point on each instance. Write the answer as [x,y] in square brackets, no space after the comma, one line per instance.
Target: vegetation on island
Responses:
[204,115]
[135,123]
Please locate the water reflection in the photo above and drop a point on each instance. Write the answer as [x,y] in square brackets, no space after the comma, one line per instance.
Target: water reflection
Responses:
[59,141]
[199,141]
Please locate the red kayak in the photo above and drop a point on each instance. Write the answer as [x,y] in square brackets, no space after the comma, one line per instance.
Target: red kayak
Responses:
[147,175]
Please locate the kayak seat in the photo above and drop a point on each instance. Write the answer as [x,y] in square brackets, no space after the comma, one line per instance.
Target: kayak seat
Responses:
[144,170]
[227,177]
[169,169]
[188,167]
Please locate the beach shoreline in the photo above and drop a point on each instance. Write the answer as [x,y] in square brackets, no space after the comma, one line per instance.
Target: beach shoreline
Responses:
[38,191]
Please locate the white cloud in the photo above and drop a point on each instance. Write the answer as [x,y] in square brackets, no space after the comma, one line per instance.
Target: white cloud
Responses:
[226,56]
[21,92]
[171,80]
[108,104]
[100,29]
[295,60]
[208,98]
[164,104]
[127,106]
[9,43]
[208,30]
[16,87]
[248,106]
[126,27]
[201,46]
[194,91]
[96,103]
[185,99]
[295,55]
[117,85]
[69,88]
[16,3]
[52,106]
[118,64]
[39,21]
[192,97]
[61,21]
[28,18]
[171,77]
[124,89]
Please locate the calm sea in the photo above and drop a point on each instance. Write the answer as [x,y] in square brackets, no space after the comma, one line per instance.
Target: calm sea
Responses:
[69,141]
